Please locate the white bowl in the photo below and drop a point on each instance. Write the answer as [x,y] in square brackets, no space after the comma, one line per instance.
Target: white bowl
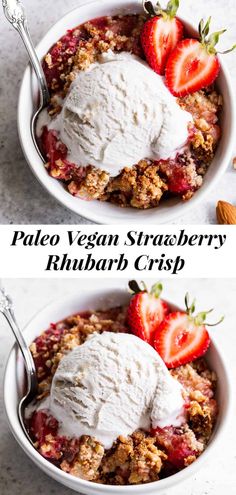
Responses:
[103,212]
[14,383]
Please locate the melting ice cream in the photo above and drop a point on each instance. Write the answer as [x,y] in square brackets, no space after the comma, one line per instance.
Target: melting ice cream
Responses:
[112,385]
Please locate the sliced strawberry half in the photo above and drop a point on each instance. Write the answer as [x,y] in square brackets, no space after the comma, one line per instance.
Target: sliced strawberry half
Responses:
[194,64]
[146,311]
[182,337]
[160,34]
[179,341]
[190,68]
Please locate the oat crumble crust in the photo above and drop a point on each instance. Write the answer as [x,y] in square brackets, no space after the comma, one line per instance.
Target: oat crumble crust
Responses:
[142,457]
[146,184]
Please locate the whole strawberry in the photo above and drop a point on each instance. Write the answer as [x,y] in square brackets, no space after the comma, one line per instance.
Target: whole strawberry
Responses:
[194,64]
[160,34]
[146,311]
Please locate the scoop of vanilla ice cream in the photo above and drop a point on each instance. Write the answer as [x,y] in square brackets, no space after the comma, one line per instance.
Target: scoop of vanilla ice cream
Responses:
[119,112]
[112,385]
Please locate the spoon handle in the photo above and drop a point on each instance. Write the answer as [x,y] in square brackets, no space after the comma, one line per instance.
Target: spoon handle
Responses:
[15,14]
[7,311]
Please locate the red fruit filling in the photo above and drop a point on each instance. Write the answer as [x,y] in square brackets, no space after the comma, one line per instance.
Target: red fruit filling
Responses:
[56,152]
[179,178]
[177,445]
[45,345]
[43,429]
[59,60]
[59,55]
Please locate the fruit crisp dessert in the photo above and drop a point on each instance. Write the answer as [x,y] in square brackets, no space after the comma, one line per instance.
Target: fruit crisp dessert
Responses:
[134,111]
[125,395]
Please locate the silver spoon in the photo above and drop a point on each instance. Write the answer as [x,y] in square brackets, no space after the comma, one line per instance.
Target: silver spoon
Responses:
[15,14]
[32,382]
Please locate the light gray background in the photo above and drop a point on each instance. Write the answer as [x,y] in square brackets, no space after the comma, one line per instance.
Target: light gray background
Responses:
[23,200]
[19,475]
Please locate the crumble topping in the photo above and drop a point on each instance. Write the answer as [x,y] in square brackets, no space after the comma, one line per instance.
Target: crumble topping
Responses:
[140,186]
[87,460]
[93,184]
[204,106]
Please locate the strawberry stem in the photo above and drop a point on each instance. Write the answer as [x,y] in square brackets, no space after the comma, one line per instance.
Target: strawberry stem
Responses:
[200,318]
[136,288]
[168,13]
[149,9]
[209,42]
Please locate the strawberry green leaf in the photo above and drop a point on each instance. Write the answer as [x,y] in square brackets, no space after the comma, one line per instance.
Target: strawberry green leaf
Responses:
[201,29]
[172,8]
[169,12]
[145,289]
[186,300]
[158,6]
[156,289]
[210,42]
[200,318]
[207,27]
[214,38]
[229,50]
[204,29]
[190,308]
[217,323]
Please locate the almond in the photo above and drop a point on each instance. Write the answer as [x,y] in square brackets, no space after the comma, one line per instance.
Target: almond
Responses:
[226,213]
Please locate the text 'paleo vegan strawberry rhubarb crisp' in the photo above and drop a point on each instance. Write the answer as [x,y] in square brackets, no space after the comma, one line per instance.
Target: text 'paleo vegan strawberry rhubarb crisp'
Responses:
[125,395]
[134,113]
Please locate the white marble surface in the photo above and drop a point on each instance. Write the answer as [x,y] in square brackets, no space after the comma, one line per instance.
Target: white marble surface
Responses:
[19,475]
[23,200]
